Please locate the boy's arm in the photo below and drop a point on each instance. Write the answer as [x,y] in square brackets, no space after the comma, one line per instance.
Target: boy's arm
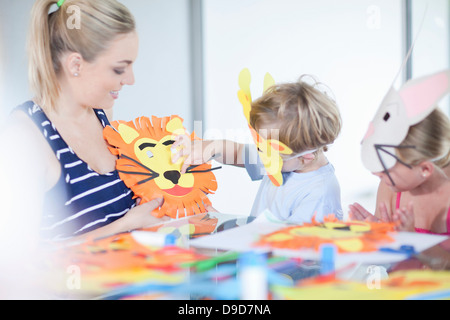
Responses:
[201,151]
[225,152]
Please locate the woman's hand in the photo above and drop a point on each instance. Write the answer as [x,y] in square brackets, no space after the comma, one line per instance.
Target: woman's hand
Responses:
[210,209]
[136,218]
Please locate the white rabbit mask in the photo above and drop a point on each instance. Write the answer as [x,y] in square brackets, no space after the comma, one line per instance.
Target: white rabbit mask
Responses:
[397,113]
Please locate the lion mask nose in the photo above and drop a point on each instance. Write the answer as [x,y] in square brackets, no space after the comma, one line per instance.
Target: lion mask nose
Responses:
[173,176]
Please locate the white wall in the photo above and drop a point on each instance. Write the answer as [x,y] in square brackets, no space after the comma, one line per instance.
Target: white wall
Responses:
[353,46]
[162,71]
[432,50]
[13,60]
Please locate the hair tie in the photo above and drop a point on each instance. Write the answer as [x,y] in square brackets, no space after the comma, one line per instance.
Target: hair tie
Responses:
[60,3]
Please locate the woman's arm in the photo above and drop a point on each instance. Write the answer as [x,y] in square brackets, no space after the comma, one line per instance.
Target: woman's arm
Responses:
[25,175]
[22,190]
[137,218]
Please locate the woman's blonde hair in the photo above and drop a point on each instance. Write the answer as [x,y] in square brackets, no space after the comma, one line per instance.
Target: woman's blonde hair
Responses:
[307,118]
[55,33]
[428,140]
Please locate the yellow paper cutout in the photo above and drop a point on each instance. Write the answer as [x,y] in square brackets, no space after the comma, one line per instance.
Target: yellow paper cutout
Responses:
[401,285]
[128,134]
[350,245]
[268,150]
[268,81]
[175,126]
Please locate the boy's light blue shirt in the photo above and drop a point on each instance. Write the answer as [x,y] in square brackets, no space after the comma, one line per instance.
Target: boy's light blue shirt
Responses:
[300,197]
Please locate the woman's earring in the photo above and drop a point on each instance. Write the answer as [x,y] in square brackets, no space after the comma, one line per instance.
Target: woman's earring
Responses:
[76,74]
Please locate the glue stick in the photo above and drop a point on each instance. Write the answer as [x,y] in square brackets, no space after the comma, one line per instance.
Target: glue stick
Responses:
[327,259]
[253,276]
[154,239]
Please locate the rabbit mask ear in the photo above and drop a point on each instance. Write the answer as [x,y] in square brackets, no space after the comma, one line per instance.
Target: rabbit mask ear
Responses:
[421,96]
[397,113]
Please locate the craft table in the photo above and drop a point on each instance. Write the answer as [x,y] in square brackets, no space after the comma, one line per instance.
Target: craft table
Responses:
[118,267]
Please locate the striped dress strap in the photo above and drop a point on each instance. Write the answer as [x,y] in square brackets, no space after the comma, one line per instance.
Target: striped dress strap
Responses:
[82,200]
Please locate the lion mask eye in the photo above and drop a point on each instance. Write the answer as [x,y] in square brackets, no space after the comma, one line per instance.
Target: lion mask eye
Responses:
[149,154]
[169,142]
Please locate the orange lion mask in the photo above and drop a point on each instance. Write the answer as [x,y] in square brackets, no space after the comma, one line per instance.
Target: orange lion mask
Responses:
[145,165]
[347,236]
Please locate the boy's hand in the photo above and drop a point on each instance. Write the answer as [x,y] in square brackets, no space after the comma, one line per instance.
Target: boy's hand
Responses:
[181,147]
[192,150]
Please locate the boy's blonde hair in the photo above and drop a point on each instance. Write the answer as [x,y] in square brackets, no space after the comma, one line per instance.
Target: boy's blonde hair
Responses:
[52,34]
[306,117]
[430,140]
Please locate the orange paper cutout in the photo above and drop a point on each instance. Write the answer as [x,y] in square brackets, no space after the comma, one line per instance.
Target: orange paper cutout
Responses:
[122,252]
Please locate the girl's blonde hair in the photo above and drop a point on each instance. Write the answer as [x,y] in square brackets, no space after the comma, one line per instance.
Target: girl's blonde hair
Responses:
[306,117]
[55,33]
[428,140]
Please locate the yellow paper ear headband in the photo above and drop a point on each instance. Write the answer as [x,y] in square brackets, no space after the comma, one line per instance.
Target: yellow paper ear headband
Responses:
[270,150]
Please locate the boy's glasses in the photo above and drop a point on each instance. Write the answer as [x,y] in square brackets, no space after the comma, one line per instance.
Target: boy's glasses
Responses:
[299,155]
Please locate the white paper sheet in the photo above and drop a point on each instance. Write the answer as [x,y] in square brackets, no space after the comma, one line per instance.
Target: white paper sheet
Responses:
[241,239]
[238,239]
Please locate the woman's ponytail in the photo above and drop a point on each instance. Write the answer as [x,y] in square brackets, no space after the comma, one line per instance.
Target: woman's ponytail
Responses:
[41,72]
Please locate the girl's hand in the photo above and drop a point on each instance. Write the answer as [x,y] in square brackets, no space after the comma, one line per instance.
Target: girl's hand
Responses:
[141,216]
[357,212]
[405,218]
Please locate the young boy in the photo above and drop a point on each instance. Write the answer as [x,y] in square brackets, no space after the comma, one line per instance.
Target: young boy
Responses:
[304,119]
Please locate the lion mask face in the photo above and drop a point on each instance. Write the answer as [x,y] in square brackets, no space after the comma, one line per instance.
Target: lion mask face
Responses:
[145,165]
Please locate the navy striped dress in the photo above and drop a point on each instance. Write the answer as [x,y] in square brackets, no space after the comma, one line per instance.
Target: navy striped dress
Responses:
[82,200]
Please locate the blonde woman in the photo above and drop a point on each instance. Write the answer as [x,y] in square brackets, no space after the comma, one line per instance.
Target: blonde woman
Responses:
[419,198]
[81,55]
[304,119]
